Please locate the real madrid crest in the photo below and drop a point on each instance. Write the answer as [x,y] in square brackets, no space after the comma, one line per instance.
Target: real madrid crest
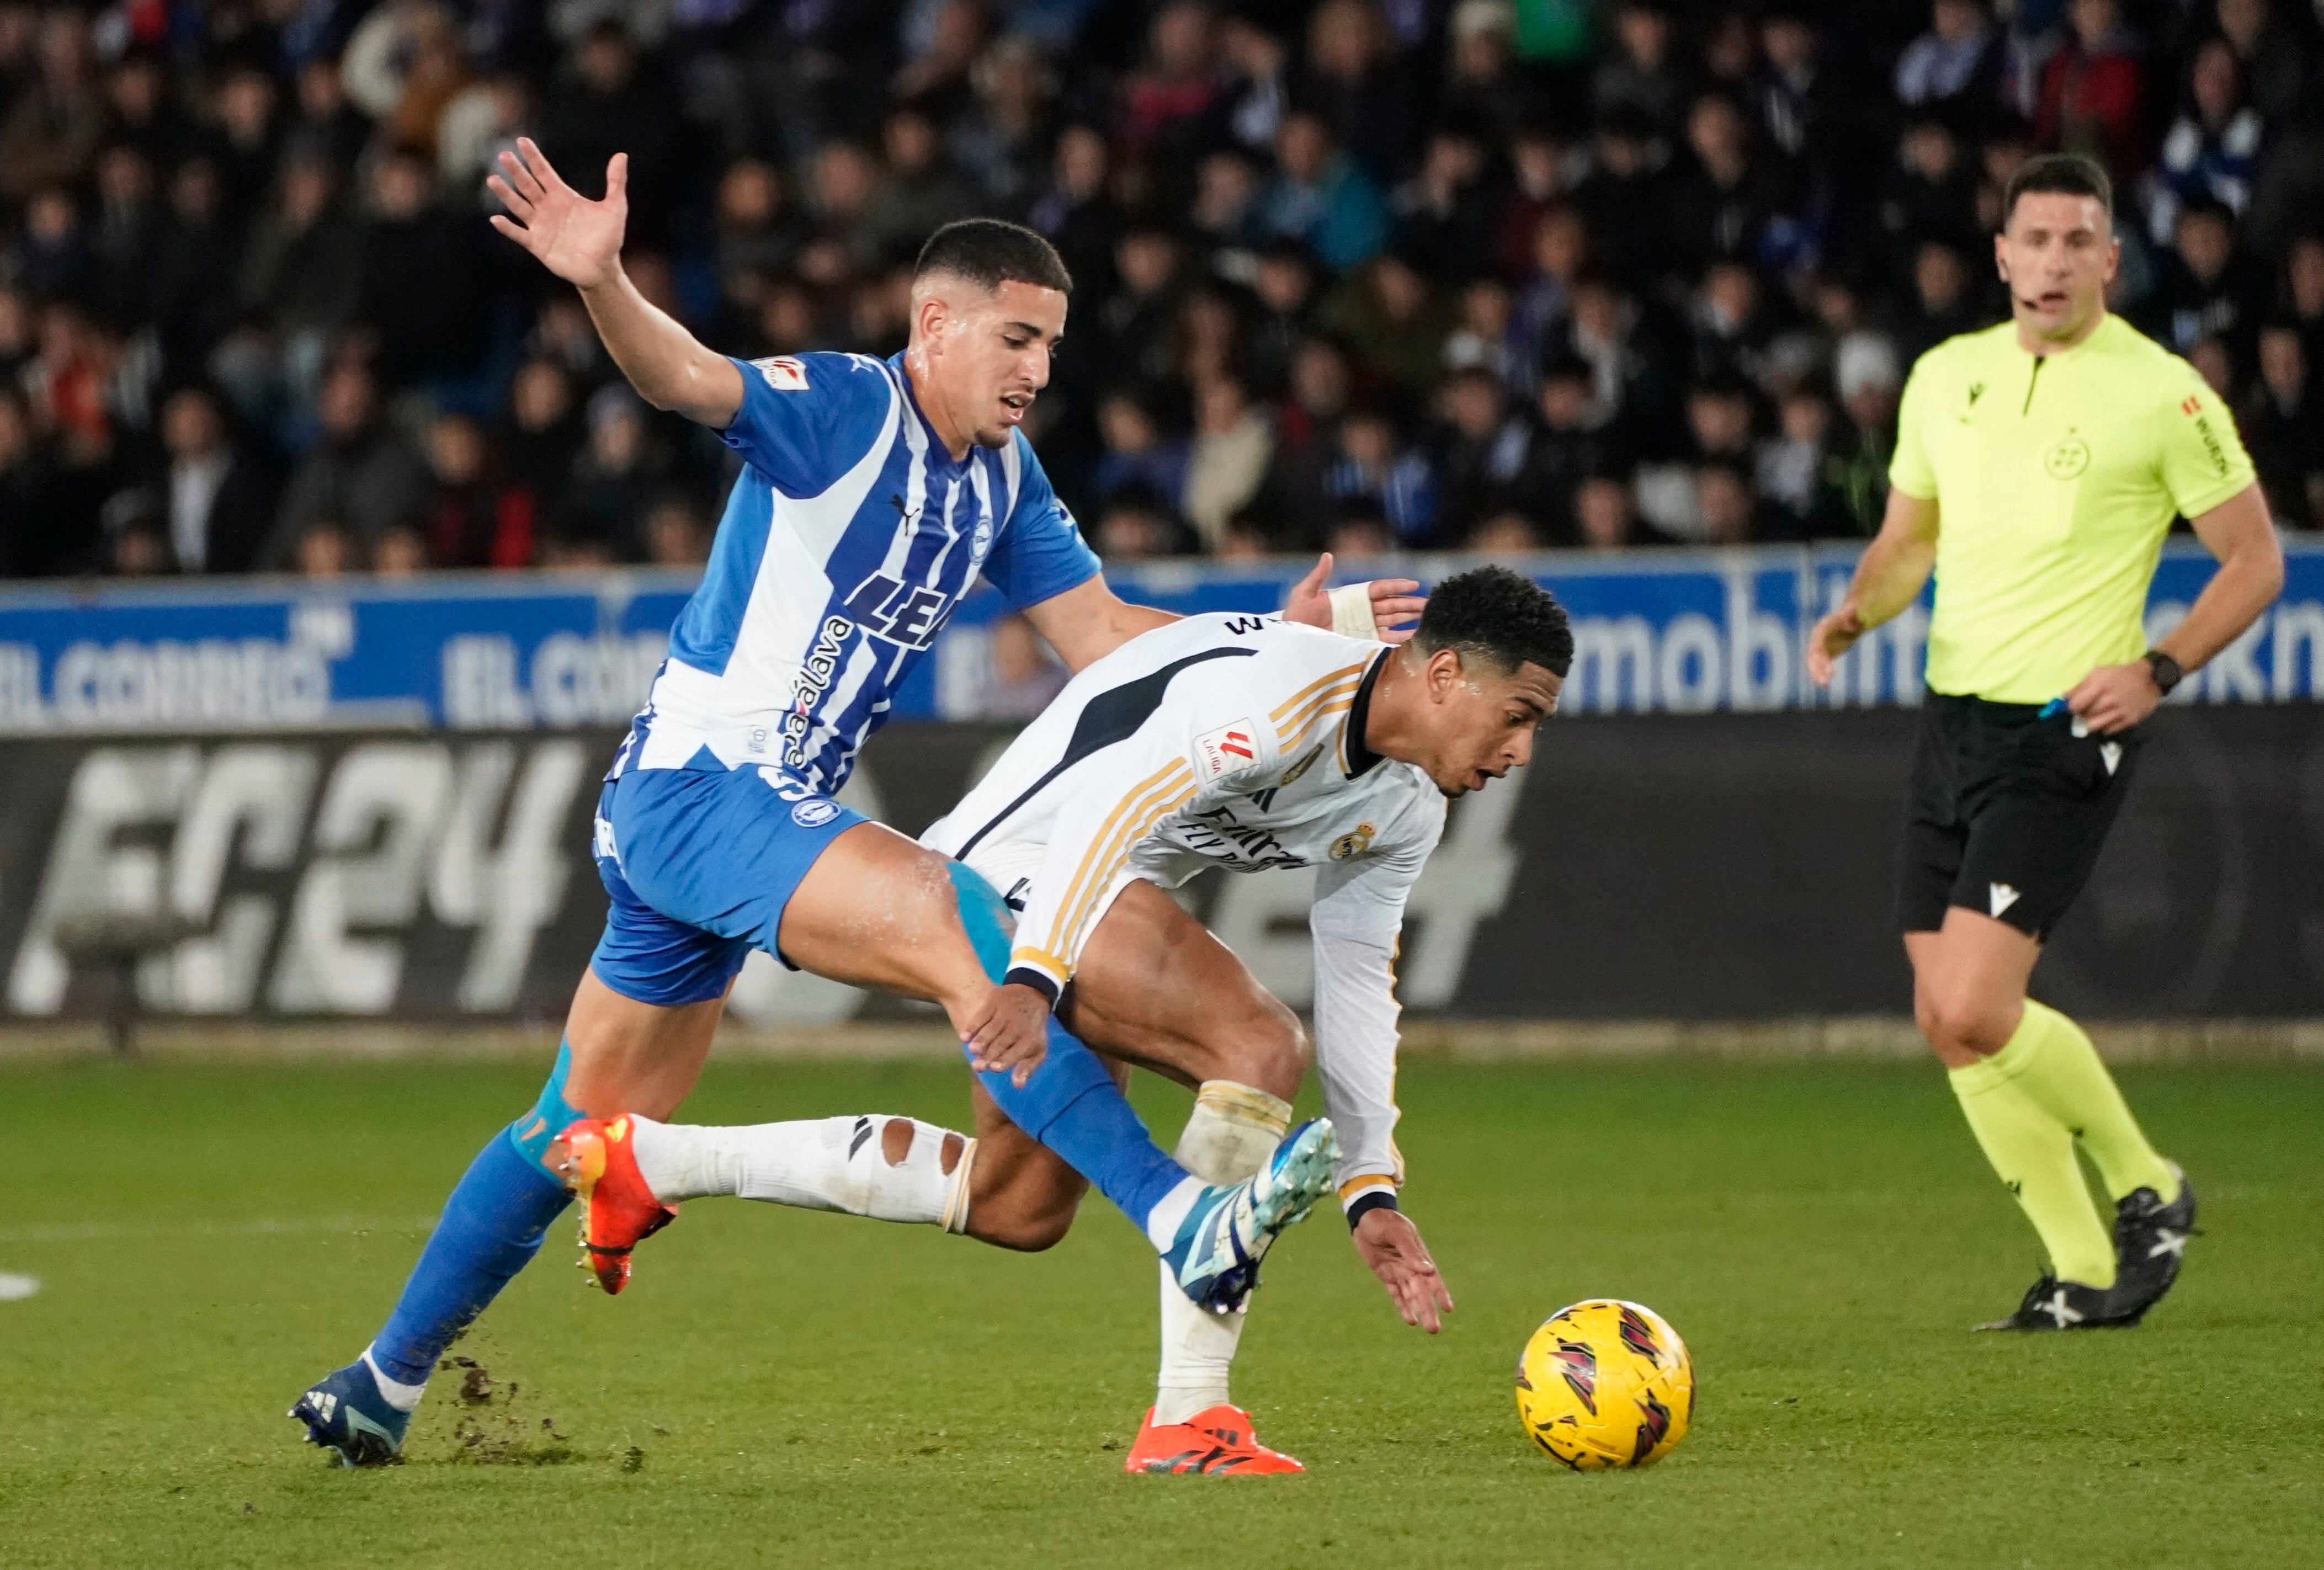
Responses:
[1353,844]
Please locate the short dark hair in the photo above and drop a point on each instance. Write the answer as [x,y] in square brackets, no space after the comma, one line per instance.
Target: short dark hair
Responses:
[992,251]
[2057,174]
[1508,618]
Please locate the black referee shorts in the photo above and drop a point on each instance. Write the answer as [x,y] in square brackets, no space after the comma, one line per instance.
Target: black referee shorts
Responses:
[2006,812]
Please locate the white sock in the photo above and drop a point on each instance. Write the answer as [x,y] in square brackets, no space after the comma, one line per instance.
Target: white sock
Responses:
[1229,1135]
[403,1397]
[820,1164]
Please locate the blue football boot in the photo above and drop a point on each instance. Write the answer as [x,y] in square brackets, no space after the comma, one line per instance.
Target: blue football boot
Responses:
[346,1413]
[1216,1253]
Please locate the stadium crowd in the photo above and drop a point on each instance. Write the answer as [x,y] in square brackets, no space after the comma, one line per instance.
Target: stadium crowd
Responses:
[1373,274]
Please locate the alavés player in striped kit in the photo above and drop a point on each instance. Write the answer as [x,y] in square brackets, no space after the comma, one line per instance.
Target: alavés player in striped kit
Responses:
[875,492]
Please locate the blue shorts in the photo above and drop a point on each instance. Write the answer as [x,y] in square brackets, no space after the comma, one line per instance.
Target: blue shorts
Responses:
[700,864]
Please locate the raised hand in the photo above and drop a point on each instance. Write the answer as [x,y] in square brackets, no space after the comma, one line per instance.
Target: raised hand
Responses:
[1392,599]
[574,237]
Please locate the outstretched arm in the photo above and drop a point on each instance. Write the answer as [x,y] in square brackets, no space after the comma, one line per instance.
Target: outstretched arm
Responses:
[1090,621]
[580,241]
[1889,578]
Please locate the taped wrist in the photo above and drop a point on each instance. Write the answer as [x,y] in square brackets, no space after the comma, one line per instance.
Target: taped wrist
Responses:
[1352,612]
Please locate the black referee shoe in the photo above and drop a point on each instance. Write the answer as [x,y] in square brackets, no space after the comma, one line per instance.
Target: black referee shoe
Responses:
[2051,1304]
[2149,1239]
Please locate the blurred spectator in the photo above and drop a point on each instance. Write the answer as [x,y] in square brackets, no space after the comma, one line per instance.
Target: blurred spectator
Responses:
[1360,532]
[2303,294]
[543,429]
[1484,448]
[1228,460]
[1956,65]
[1321,196]
[1484,335]
[473,519]
[220,500]
[1446,213]
[400,552]
[2093,90]
[1388,307]
[1137,452]
[1724,202]
[618,470]
[2275,54]
[675,536]
[2204,285]
[1728,510]
[361,478]
[919,195]
[1641,72]
[1164,101]
[324,547]
[1790,468]
[417,276]
[48,133]
[1136,524]
[134,544]
[1572,442]
[2212,147]
[1942,306]
[1605,514]
[1503,535]
[1373,467]
[2282,422]
[1870,380]
[1356,87]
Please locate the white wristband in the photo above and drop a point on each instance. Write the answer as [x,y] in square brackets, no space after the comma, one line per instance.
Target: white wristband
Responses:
[1352,612]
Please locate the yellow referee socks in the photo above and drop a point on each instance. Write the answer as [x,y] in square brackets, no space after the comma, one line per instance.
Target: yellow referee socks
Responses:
[2033,1153]
[2053,1060]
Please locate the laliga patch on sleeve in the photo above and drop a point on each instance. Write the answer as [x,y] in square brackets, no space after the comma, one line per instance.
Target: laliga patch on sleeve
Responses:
[782,373]
[1226,749]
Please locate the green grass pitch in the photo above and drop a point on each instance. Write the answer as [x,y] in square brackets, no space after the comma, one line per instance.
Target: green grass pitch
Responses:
[782,1388]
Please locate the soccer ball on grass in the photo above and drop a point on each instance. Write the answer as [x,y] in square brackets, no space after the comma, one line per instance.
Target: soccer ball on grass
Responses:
[1605,1384]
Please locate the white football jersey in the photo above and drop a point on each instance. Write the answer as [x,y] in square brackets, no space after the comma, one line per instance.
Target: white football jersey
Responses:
[1230,741]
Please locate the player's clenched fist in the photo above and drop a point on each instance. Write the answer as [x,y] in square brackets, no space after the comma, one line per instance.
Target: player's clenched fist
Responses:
[575,238]
[1009,1031]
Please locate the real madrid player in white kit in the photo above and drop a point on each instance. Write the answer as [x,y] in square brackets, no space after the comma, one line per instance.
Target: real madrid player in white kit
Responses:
[1235,741]
[873,494]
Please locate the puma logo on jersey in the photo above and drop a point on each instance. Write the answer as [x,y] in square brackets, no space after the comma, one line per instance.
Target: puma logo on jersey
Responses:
[1225,749]
[2003,897]
[782,373]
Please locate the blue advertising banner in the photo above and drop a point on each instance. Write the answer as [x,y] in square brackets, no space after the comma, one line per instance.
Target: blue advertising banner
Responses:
[1677,632]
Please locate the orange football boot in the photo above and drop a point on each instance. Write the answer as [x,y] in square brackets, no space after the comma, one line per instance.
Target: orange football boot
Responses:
[618,1211]
[1216,1441]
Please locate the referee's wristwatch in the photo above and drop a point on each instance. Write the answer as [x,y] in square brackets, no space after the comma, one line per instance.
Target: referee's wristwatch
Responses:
[2167,671]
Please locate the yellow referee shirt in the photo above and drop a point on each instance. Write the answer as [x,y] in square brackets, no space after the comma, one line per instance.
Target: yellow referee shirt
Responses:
[2055,480]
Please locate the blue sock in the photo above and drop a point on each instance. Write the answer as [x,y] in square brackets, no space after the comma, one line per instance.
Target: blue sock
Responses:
[490,1228]
[1070,1104]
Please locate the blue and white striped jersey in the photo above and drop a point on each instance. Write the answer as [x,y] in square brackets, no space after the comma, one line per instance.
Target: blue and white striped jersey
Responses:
[846,542]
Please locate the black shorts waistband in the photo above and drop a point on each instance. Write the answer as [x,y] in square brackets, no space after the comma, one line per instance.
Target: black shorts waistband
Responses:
[1968,704]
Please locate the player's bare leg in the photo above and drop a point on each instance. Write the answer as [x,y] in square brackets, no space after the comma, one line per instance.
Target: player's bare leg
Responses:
[1155,988]
[878,909]
[2030,1086]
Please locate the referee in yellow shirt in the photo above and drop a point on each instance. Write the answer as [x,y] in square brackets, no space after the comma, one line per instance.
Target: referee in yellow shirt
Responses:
[2038,467]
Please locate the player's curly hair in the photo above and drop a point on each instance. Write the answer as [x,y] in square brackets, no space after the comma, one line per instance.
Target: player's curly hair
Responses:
[992,251]
[1507,618]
